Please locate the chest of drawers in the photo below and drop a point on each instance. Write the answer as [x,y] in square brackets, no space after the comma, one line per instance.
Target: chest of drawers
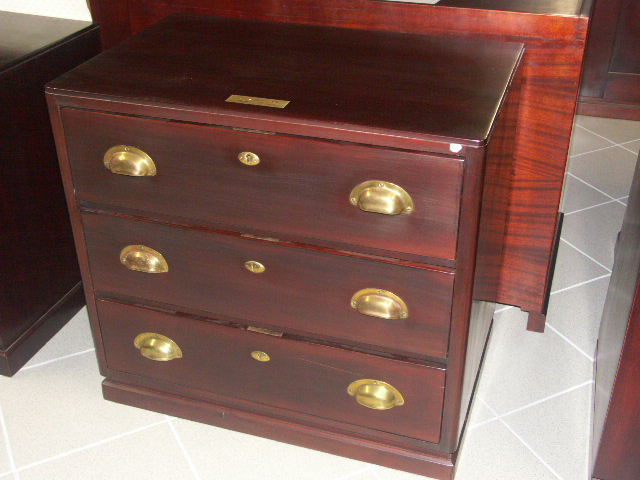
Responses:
[293,231]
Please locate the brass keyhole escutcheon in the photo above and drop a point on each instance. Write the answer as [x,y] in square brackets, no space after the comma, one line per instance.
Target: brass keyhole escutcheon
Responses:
[375,394]
[260,356]
[255,267]
[249,158]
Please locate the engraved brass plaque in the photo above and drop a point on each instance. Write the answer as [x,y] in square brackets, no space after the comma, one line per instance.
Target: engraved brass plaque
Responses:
[263,102]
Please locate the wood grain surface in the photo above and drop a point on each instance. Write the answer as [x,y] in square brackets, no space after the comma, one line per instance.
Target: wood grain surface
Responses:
[298,376]
[554,33]
[302,291]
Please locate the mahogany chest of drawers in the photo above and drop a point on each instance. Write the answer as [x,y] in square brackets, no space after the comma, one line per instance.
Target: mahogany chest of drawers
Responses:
[293,231]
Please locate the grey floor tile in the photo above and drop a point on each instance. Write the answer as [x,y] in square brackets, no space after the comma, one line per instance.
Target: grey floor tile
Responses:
[389,474]
[583,141]
[5,464]
[365,475]
[578,195]
[558,430]
[522,367]
[594,231]
[74,337]
[219,453]
[576,313]
[152,454]
[609,170]
[613,129]
[492,452]
[58,407]
[480,413]
[633,146]
[573,267]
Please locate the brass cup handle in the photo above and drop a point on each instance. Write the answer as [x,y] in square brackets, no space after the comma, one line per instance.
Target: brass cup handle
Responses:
[143,259]
[125,160]
[381,197]
[157,347]
[375,394]
[379,303]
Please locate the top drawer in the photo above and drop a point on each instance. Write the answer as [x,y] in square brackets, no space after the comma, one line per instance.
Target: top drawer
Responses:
[299,188]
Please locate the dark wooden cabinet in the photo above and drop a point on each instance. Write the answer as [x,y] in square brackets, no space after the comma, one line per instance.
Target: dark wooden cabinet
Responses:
[611,75]
[616,426]
[39,272]
[283,236]
[554,33]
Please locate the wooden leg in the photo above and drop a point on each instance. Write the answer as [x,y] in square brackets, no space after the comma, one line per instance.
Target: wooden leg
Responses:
[536,322]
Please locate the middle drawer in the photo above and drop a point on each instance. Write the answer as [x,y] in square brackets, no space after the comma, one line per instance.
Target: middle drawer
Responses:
[302,291]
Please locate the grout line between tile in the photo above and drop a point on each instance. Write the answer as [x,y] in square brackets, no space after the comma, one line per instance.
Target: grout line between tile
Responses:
[374,471]
[592,206]
[192,466]
[57,359]
[589,185]
[545,399]
[622,145]
[5,434]
[91,445]
[515,434]
[593,151]
[532,404]
[569,341]
[581,284]
[608,140]
[588,256]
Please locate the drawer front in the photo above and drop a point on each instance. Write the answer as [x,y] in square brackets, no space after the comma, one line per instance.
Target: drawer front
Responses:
[298,376]
[301,290]
[300,187]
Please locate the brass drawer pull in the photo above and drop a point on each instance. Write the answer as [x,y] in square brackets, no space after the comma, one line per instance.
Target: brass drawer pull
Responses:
[125,160]
[375,394]
[379,303]
[381,197]
[255,267]
[143,259]
[157,347]
[249,158]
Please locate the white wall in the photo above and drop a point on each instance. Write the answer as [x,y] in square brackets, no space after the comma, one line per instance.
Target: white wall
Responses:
[73,9]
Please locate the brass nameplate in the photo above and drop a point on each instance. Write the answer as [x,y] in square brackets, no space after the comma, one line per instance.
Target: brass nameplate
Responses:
[265,331]
[263,102]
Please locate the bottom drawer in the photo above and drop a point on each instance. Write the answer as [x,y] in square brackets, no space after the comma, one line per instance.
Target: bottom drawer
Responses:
[289,374]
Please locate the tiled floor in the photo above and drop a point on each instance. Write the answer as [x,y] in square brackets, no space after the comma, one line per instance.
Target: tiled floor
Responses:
[531,419]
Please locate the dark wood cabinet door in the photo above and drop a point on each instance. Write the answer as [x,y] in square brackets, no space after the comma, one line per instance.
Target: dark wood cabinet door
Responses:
[611,74]
[616,424]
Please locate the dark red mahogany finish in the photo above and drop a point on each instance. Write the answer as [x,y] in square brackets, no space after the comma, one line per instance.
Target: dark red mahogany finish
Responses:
[207,270]
[616,426]
[611,77]
[554,33]
[437,115]
[218,359]
[39,272]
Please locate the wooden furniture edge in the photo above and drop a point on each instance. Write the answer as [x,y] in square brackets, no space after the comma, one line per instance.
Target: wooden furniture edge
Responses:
[28,344]
[281,430]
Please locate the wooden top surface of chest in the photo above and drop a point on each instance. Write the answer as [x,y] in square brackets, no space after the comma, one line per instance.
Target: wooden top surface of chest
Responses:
[25,36]
[342,79]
